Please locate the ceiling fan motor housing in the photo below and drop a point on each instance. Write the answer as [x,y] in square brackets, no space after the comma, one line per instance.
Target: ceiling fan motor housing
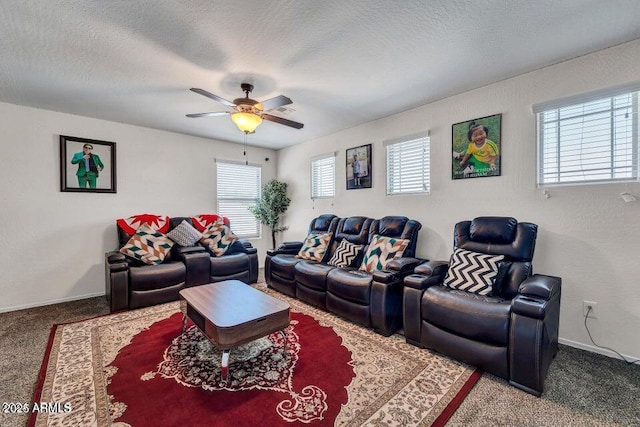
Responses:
[245,105]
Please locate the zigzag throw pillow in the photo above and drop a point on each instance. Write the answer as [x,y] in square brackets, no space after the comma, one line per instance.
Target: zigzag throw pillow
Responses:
[218,238]
[184,234]
[314,246]
[147,245]
[472,271]
[381,251]
[345,254]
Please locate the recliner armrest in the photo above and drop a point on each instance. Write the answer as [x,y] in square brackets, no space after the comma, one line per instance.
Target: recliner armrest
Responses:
[116,280]
[183,250]
[427,274]
[432,268]
[115,257]
[115,262]
[287,248]
[386,276]
[240,246]
[247,244]
[529,307]
[540,286]
[198,266]
[396,270]
[404,265]
[290,245]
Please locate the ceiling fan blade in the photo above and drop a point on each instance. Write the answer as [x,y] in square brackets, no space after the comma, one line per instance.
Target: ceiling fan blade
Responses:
[212,114]
[282,121]
[272,103]
[212,96]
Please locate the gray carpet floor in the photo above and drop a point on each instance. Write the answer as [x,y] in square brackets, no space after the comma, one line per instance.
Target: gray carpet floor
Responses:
[582,388]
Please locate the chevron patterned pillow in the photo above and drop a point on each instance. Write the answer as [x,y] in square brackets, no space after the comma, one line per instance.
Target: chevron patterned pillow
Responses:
[345,254]
[184,234]
[314,246]
[147,245]
[381,251]
[472,271]
[218,238]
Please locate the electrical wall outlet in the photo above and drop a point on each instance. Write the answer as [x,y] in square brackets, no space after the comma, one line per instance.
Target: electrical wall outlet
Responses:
[593,314]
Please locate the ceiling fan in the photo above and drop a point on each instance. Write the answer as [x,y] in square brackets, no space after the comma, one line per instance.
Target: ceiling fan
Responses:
[248,113]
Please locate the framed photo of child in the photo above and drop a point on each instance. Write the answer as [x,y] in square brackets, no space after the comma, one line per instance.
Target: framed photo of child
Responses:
[476,148]
[359,167]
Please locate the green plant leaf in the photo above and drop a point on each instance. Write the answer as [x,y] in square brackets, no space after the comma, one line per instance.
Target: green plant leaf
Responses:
[273,203]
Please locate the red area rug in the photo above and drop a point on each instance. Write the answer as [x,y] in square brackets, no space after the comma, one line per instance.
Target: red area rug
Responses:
[187,375]
[137,368]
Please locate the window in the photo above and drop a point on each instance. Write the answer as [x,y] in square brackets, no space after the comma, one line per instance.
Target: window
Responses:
[323,176]
[408,166]
[592,138]
[238,189]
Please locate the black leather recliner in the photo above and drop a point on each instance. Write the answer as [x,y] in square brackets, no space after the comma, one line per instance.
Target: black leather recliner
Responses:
[311,277]
[240,262]
[279,263]
[131,285]
[513,334]
[375,299]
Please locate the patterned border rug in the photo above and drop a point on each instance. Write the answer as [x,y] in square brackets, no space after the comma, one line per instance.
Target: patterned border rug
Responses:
[137,367]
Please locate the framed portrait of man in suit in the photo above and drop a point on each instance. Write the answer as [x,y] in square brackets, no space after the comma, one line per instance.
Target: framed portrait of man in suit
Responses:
[87,165]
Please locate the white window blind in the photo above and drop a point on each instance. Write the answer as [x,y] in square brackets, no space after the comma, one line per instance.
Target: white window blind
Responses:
[323,176]
[595,140]
[238,189]
[408,166]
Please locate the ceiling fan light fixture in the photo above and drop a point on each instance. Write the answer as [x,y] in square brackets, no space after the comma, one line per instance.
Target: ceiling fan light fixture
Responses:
[246,122]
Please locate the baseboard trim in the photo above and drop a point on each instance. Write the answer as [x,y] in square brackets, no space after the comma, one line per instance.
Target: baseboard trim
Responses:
[44,303]
[594,349]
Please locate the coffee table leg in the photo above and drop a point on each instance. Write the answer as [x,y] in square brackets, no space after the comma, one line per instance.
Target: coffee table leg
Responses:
[284,338]
[224,368]
[184,322]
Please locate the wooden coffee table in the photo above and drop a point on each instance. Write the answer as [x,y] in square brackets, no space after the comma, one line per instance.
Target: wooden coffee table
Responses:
[232,313]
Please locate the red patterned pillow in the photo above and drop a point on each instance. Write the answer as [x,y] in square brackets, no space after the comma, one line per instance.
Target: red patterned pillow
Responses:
[203,221]
[134,223]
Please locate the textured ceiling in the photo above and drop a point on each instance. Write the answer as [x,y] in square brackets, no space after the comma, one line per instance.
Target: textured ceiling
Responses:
[343,63]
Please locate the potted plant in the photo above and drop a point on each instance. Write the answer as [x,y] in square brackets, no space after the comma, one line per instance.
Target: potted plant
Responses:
[272,204]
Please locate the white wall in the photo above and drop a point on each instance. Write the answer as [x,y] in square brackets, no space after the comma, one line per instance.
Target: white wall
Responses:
[53,242]
[587,234]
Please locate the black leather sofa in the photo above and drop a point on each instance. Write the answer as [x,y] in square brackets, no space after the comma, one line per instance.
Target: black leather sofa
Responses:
[512,334]
[370,299]
[130,284]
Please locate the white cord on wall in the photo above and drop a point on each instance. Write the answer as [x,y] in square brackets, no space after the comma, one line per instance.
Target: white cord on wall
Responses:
[599,346]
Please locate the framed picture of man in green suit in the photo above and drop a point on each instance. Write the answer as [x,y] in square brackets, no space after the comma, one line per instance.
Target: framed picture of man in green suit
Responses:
[87,165]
